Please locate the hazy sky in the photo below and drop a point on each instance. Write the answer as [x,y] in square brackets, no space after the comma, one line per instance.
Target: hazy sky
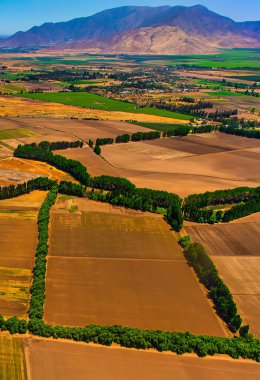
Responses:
[22,14]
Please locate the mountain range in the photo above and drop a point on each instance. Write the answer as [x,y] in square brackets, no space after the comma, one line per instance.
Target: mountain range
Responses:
[138,29]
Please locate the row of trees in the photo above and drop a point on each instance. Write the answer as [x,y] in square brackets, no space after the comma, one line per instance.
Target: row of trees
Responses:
[204,129]
[200,207]
[180,131]
[208,275]
[12,191]
[250,133]
[74,168]
[58,145]
[217,290]
[38,286]
[176,342]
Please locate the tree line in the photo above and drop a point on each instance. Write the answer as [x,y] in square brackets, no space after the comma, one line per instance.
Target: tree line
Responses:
[176,342]
[38,285]
[58,145]
[249,133]
[74,168]
[209,277]
[241,201]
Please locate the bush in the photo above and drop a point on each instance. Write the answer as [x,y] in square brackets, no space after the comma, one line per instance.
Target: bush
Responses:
[97,150]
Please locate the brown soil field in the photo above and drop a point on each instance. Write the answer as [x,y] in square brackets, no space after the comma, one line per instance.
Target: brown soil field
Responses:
[33,108]
[12,358]
[190,164]
[95,165]
[125,268]
[228,239]
[235,250]
[18,239]
[17,170]
[83,129]
[63,360]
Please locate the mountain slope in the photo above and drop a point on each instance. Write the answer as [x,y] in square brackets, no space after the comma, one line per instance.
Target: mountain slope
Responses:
[162,30]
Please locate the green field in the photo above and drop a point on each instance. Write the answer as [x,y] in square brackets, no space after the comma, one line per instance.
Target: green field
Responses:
[16,133]
[252,78]
[227,58]
[88,100]
[162,127]
[225,93]
[10,88]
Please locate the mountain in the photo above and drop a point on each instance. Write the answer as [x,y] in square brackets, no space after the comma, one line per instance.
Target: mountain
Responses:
[132,29]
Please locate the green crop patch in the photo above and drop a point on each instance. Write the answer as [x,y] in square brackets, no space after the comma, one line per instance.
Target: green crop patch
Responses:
[88,100]
[16,133]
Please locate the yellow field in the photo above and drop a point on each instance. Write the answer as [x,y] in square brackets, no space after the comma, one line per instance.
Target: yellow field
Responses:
[12,359]
[25,107]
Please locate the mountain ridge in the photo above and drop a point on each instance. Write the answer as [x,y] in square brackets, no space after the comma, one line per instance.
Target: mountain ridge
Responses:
[140,29]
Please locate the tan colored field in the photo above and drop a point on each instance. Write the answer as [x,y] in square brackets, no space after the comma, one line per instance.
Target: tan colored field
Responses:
[235,250]
[108,266]
[12,358]
[15,170]
[95,165]
[190,164]
[18,239]
[80,129]
[66,361]
[33,108]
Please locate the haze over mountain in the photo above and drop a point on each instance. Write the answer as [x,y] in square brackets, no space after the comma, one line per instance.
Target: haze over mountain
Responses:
[132,29]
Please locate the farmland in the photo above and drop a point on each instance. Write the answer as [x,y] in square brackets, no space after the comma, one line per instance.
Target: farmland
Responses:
[93,101]
[17,251]
[235,249]
[12,358]
[15,170]
[55,360]
[189,164]
[110,274]
[97,265]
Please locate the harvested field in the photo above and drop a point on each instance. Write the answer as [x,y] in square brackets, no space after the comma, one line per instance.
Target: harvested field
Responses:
[95,164]
[235,250]
[17,170]
[18,239]
[83,129]
[189,164]
[12,358]
[121,267]
[63,360]
[228,239]
[11,106]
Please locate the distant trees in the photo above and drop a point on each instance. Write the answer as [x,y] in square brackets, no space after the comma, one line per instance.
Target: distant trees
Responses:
[123,138]
[249,133]
[180,131]
[58,145]
[104,141]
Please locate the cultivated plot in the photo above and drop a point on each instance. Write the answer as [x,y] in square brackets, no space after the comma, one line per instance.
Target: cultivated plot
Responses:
[189,164]
[18,239]
[60,360]
[113,267]
[12,358]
